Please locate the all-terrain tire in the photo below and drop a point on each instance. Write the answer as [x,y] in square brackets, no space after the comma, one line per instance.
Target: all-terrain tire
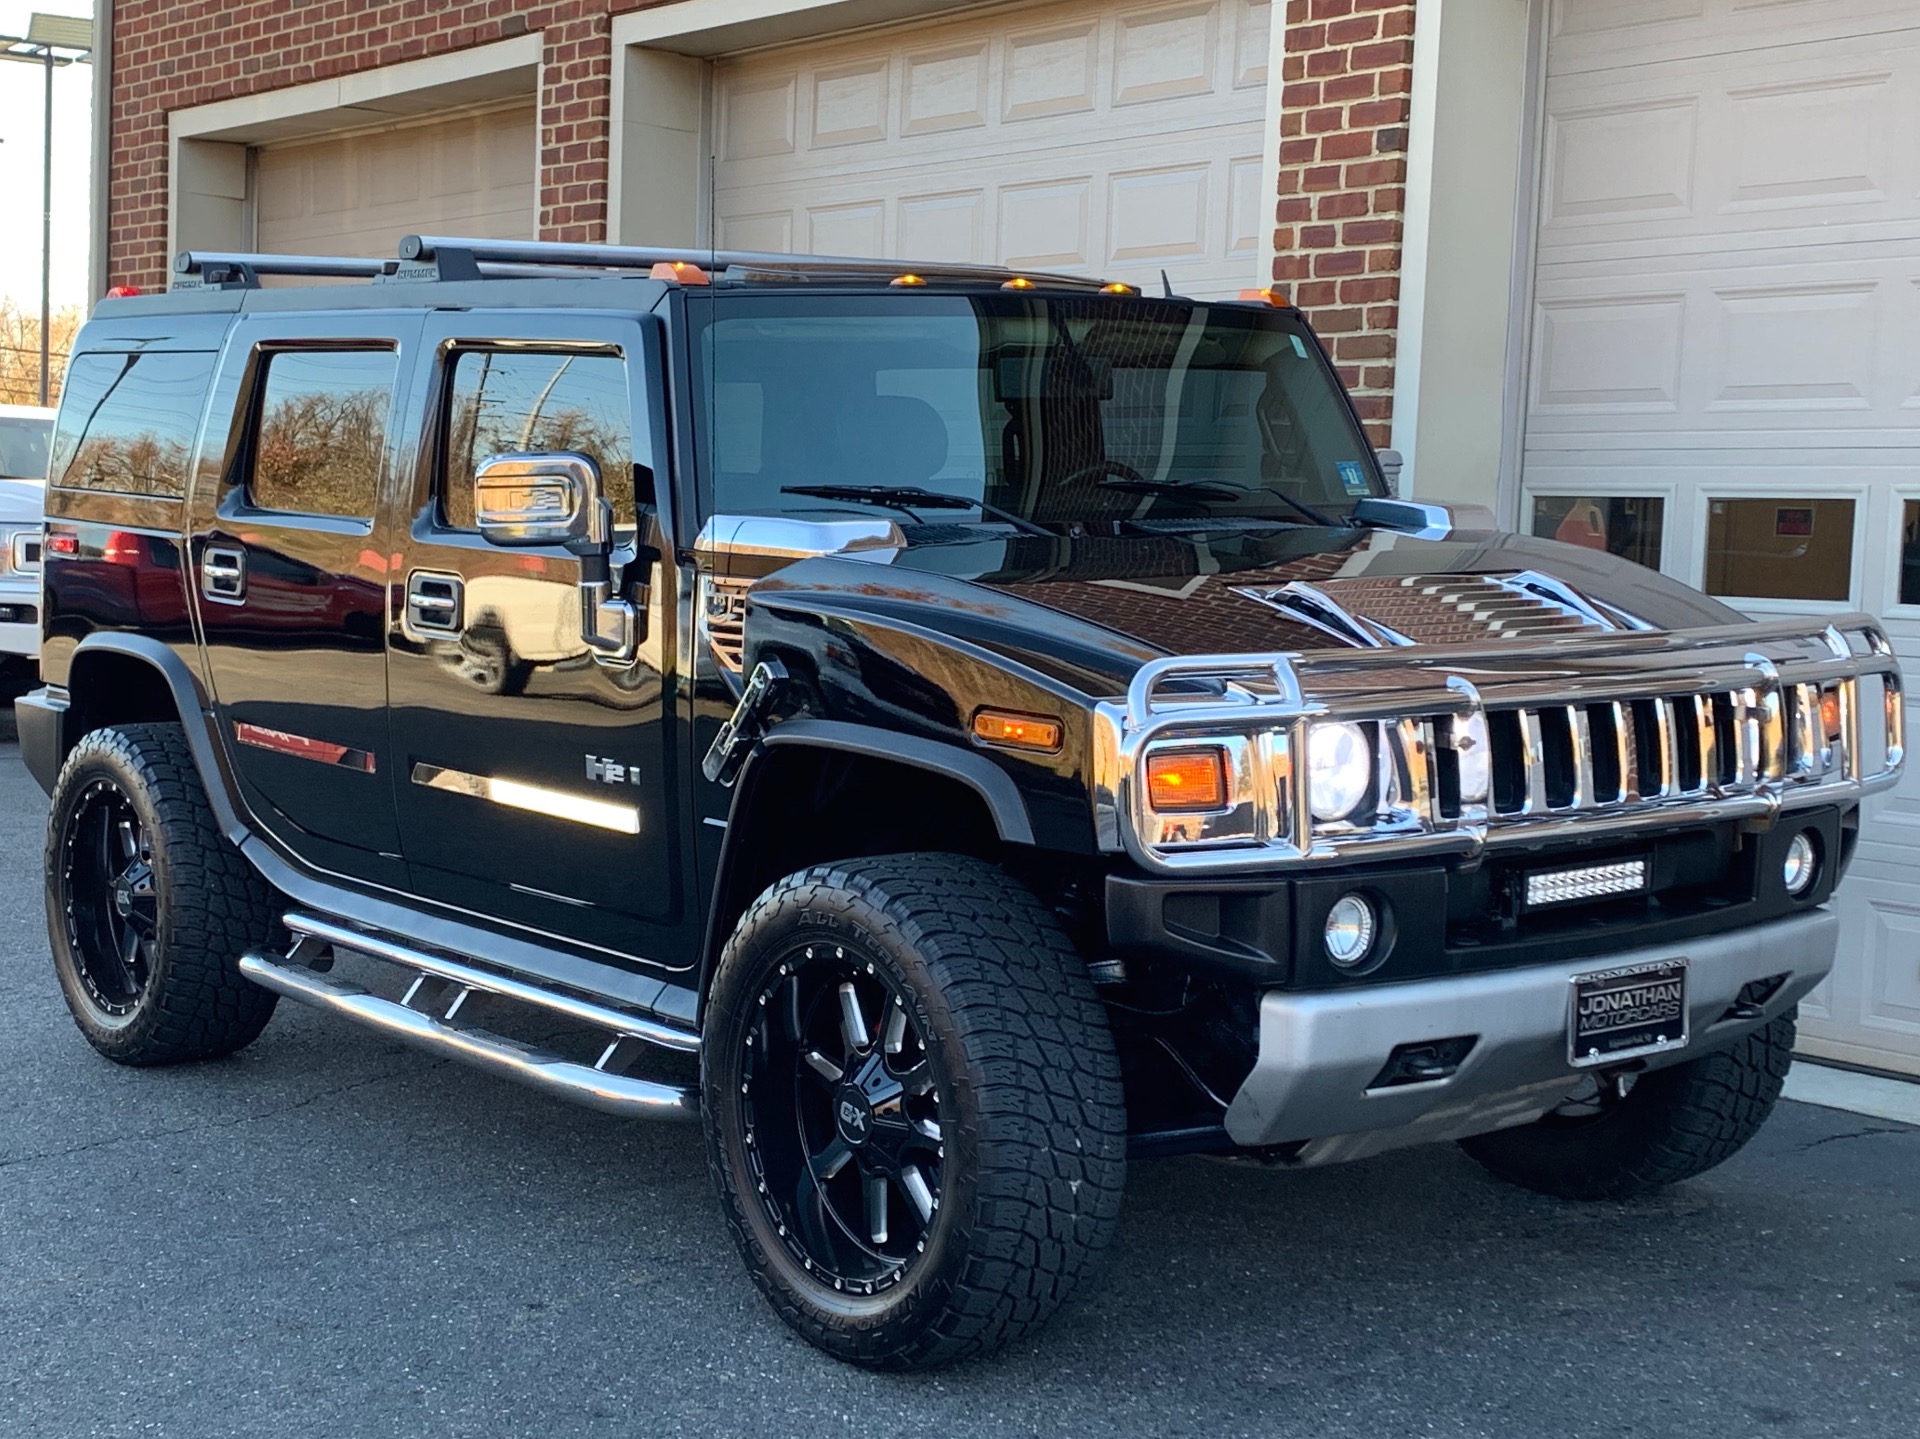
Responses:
[1671,1125]
[985,989]
[196,902]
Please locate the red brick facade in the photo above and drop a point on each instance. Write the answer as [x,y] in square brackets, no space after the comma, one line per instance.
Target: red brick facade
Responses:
[172,54]
[1343,133]
[1343,183]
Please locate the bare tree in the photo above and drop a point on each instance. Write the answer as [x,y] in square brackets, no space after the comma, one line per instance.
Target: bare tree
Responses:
[20,353]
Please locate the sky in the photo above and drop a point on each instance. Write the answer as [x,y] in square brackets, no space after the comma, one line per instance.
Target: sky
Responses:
[22,95]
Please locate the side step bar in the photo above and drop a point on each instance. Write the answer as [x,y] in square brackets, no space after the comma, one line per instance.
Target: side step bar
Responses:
[435,977]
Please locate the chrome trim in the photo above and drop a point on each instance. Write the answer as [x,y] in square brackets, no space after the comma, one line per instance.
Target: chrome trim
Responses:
[535,799]
[564,1078]
[781,537]
[1727,710]
[24,550]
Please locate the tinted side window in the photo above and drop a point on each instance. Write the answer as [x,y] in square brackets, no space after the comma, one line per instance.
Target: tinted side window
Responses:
[127,422]
[321,442]
[517,400]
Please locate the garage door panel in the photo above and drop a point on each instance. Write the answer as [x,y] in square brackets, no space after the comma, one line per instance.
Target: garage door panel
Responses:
[1599,35]
[1726,326]
[358,194]
[1008,130]
[1780,141]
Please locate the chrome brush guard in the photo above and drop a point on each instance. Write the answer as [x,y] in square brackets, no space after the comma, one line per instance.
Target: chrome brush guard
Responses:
[1483,745]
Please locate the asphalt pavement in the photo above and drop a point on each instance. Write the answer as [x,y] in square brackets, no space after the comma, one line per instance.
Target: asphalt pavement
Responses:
[331,1235]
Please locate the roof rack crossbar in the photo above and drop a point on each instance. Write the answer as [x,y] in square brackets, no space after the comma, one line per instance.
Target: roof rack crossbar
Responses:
[429,249]
[220,269]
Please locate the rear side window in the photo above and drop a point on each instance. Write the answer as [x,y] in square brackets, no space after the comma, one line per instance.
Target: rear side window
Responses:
[320,445]
[507,401]
[127,422]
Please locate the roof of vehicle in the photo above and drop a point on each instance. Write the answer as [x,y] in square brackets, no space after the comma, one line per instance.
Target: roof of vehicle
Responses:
[28,412]
[222,281]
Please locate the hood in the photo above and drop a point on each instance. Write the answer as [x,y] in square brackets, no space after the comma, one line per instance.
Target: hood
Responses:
[1092,610]
[22,501]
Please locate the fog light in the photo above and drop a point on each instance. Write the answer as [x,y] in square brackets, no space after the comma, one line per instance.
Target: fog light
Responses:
[1350,930]
[1801,866]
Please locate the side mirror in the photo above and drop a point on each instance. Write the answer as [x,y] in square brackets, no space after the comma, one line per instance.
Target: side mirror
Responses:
[556,499]
[546,499]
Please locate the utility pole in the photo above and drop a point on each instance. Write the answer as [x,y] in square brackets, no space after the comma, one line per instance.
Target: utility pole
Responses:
[51,42]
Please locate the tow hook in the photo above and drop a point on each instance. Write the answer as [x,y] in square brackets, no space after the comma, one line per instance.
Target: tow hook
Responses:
[746,724]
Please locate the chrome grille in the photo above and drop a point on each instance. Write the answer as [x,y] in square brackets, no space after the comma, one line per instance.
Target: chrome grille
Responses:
[723,619]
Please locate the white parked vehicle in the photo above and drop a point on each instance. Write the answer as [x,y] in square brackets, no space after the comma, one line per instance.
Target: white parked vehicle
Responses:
[25,433]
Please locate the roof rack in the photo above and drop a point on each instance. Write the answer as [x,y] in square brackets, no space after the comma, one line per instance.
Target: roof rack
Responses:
[443,257]
[452,257]
[223,270]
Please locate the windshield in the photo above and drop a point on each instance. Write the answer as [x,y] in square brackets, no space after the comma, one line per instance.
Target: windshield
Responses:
[23,447]
[1099,410]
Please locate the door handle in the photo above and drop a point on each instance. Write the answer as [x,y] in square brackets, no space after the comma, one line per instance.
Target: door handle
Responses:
[435,603]
[223,574]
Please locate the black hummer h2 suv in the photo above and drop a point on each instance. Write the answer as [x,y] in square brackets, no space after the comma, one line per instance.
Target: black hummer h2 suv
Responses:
[991,724]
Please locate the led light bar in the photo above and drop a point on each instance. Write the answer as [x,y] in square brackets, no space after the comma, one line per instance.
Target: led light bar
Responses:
[1592,881]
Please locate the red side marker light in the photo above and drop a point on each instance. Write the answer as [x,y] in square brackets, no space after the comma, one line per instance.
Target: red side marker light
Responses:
[63,544]
[124,292]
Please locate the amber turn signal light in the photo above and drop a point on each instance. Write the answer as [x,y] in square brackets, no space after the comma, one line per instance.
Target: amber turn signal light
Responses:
[1016,731]
[1830,714]
[1180,780]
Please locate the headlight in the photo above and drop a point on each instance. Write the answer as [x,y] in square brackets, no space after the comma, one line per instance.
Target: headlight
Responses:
[1339,769]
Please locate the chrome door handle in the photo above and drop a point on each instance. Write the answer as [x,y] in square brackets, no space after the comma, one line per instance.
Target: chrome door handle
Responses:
[435,603]
[223,575]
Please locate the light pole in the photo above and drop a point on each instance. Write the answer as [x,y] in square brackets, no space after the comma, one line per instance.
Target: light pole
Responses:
[51,42]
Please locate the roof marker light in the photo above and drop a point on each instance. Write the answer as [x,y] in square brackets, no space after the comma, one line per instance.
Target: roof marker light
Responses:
[1018,282]
[1116,288]
[908,281]
[1269,296]
[683,272]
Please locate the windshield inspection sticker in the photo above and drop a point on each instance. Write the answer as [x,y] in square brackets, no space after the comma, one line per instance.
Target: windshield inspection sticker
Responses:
[1353,476]
[1299,346]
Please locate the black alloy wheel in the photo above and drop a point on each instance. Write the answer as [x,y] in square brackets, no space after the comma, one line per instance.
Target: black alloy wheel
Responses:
[840,1114]
[149,907]
[112,913]
[913,1107]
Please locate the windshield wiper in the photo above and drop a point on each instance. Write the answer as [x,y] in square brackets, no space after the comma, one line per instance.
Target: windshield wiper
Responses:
[908,498]
[1213,490]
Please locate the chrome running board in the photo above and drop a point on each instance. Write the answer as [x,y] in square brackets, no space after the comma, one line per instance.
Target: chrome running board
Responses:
[444,984]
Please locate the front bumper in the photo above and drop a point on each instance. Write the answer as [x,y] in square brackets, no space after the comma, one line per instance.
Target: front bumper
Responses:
[1320,1052]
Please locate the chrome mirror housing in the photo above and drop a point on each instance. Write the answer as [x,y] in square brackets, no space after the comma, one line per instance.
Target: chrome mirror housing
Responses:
[539,499]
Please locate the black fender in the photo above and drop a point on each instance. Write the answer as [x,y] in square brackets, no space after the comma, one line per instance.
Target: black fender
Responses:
[995,787]
[190,702]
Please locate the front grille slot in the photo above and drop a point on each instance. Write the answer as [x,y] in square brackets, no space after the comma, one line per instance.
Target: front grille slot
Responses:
[1595,756]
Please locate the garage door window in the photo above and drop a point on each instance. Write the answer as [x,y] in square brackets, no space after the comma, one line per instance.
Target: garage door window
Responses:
[1631,526]
[1780,549]
[519,401]
[322,435]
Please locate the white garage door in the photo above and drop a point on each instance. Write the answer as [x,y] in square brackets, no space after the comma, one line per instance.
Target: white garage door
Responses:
[1724,369]
[1064,137]
[358,194]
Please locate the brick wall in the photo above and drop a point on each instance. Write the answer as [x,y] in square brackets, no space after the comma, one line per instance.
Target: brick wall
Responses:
[1343,175]
[172,54]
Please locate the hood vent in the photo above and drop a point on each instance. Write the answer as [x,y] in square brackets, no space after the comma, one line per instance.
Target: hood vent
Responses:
[1378,613]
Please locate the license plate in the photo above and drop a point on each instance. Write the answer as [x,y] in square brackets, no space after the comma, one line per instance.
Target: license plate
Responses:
[1623,1013]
